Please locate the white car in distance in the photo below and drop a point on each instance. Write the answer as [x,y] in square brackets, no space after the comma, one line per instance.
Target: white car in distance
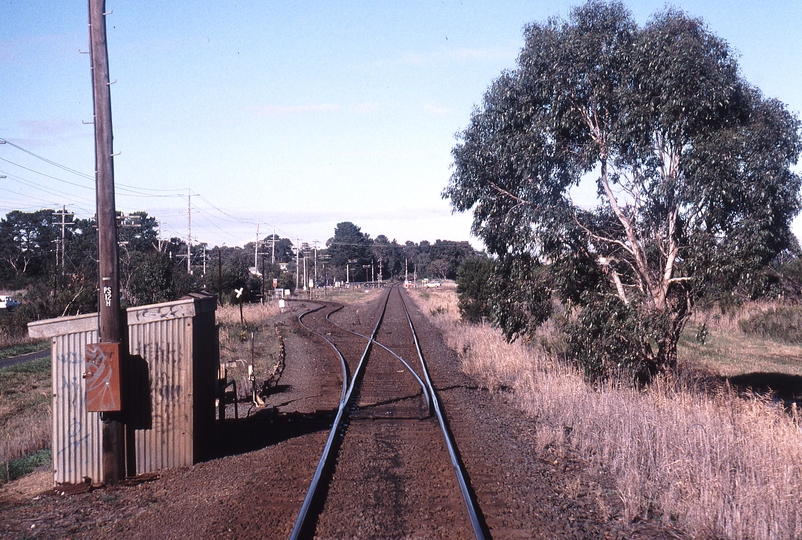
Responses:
[7,302]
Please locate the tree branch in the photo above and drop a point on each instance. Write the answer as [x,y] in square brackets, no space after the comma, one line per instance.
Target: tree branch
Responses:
[636,251]
[609,270]
[595,236]
[508,194]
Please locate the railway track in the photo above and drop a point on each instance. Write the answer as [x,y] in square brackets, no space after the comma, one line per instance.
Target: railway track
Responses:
[390,467]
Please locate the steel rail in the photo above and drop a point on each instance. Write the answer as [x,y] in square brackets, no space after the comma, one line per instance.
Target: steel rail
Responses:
[472,506]
[333,346]
[323,463]
[477,522]
[422,384]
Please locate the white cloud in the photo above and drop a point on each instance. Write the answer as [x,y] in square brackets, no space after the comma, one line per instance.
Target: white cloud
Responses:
[366,108]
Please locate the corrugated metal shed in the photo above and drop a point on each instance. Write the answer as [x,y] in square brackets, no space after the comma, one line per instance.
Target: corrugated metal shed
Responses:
[177,343]
[170,382]
[76,432]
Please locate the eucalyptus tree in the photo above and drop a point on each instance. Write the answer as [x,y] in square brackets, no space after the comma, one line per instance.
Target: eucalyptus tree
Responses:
[692,170]
[27,241]
[388,257]
[349,249]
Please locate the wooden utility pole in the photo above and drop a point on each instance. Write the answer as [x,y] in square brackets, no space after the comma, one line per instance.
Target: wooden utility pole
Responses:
[263,276]
[220,276]
[109,287]
[62,245]
[256,250]
[189,231]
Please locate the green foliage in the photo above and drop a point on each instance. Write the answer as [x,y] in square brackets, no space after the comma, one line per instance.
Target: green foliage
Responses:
[693,175]
[13,326]
[521,295]
[389,256]
[609,339]
[15,468]
[473,288]
[286,281]
[782,323]
[446,257]
[349,247]
[26,241]
[153,270]
[149,278]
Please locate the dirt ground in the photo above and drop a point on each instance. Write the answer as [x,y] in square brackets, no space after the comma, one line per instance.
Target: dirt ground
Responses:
[255,487]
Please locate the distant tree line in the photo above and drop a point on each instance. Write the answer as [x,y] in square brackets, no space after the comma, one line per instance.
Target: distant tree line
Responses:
[354,255]
[52,257]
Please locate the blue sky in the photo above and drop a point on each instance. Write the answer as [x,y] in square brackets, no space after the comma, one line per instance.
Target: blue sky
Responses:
[291,116]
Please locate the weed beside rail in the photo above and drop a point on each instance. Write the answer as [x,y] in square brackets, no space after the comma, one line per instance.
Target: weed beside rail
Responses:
[715,463]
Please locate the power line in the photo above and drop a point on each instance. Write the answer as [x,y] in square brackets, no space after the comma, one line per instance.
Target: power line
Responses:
[41,187]
[138,190]
[59,165]
[47,175]
[124,191]
[238,220]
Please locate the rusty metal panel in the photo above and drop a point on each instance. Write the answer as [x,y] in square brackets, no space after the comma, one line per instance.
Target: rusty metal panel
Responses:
[102,374]
[76,445]
[160,338]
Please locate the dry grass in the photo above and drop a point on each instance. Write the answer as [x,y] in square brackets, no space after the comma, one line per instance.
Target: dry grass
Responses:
[353,295]
[25,409]
[249,338]
[718,465]
[8,341]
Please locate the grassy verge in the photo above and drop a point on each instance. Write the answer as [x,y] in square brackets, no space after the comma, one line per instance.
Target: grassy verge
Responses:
[712,462]
[730,353]
[24,348]
[25,410]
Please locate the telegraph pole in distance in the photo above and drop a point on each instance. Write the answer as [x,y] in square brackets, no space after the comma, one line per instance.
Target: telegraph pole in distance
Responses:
[256,250]
[220,275]
[63,244]
[316,242]
[189,231]
[61,248]
[109,290]
[263,276]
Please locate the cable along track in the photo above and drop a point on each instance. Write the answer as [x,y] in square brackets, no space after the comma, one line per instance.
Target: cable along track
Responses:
[390,467]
